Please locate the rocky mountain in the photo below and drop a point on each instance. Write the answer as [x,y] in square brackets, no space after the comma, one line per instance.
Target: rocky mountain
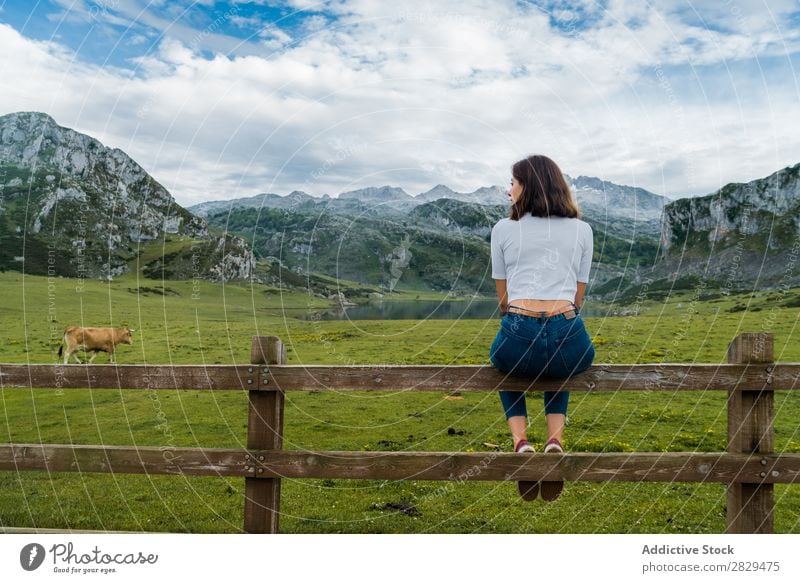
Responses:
[754,227]
[486,195]
[293,199]
[374,251]
[457,217]
[437,192]
[625,210]
[489,195]
[385,237]
[630,201]
[71,206]
[441,245]
[377,194]
[738,238]
[385,201]
[767,208]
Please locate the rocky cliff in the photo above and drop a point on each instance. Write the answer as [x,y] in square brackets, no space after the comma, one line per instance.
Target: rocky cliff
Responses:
[766,211]
[71,206]
[742,237]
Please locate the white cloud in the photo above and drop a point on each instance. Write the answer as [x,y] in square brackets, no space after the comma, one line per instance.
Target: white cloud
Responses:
[422,96]
[314,23]
[138,39]
[273,37]
[247,21]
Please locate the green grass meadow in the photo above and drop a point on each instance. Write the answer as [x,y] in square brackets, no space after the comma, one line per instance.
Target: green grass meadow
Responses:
[198,322]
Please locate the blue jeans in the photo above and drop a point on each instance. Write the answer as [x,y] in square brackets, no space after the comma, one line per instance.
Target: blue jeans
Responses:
[526,346]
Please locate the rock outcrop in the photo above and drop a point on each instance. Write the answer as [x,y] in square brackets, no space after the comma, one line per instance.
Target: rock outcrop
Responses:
[79,208]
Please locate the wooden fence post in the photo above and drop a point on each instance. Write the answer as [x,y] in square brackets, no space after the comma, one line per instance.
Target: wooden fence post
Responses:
[264,431]
[750,430]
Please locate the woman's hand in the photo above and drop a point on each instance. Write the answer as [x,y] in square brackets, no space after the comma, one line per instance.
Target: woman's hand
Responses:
[502,295]
[579,295]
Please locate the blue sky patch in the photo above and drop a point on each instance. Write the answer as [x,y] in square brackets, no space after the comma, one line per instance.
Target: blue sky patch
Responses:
[113,32]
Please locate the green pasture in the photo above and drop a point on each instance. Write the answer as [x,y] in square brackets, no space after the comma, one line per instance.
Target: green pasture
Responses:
[199,322]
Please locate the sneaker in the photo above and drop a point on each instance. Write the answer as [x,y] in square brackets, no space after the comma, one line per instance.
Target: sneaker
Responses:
[553,446]
[524,447]
[552,490]
[528,490]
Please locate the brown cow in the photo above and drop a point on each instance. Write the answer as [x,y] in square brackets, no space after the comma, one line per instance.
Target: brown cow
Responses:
[93,340]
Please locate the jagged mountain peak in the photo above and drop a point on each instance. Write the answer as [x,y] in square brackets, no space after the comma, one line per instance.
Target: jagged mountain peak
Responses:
[377,193]
[439,189]
[29,117]
[601,197]
[263,200]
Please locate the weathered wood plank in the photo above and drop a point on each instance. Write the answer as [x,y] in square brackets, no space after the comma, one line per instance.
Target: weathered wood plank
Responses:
[612,377]
[750,422]
[129,376]
[751,505]
[264,431]
[373,465]
[751,347]
[595,467]
[617,377]
[63,531]
[124,459]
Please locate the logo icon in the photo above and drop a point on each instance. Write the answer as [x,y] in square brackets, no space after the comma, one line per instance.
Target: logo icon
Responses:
[31,556]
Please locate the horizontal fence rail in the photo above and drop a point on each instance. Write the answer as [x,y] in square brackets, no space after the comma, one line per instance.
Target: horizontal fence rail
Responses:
[398,465]
[749,466]
[601,378]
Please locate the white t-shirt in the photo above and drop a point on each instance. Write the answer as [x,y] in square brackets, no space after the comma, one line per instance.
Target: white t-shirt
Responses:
[542,258]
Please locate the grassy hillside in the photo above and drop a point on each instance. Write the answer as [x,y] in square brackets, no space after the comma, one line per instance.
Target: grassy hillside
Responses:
[198,322]
[438,246]
[374,251]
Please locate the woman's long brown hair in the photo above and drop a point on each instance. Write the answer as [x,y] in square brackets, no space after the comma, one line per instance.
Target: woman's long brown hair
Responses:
[545,192]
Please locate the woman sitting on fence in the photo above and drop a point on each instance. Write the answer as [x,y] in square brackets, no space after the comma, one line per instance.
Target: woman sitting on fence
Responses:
[541,256]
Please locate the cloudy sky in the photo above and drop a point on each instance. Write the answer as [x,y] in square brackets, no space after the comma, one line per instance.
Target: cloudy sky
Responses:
[227,99]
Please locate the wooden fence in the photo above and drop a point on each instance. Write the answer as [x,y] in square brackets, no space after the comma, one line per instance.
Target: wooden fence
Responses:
[749,466]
